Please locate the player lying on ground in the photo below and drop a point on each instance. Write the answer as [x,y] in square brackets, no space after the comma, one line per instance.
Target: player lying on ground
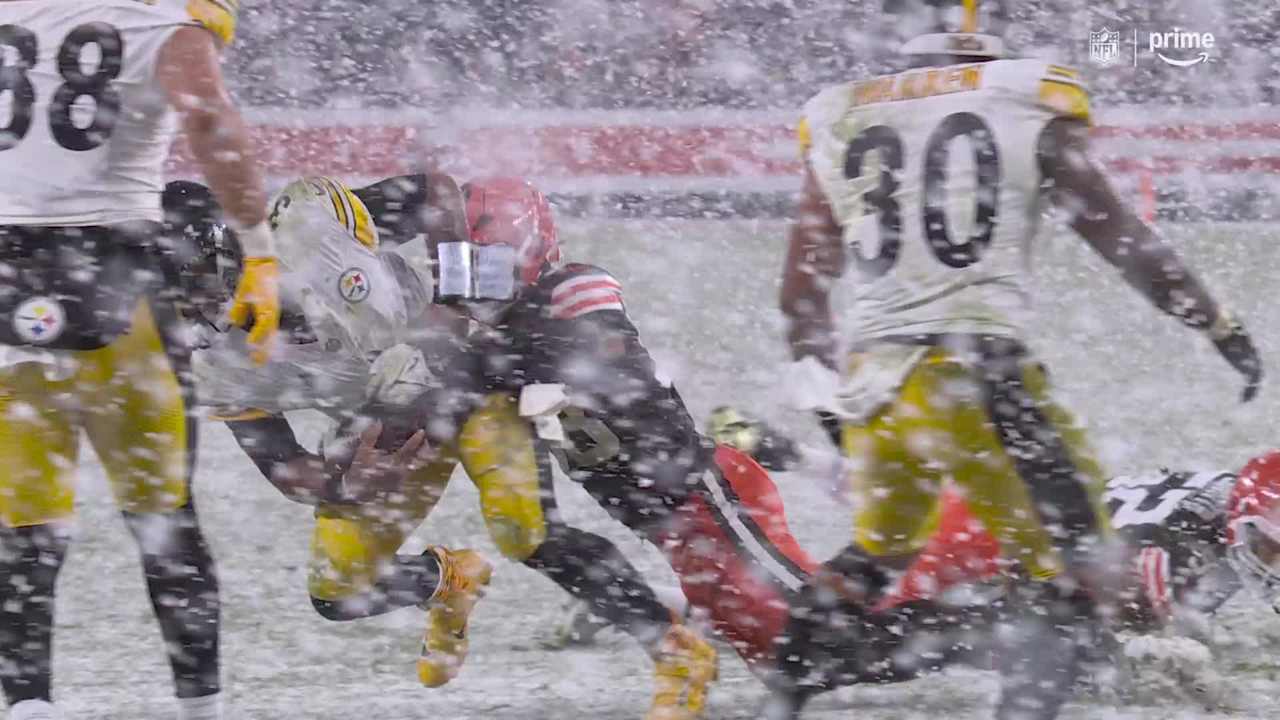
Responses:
[1191,541]
[937,382]
[90,342]
[365,514]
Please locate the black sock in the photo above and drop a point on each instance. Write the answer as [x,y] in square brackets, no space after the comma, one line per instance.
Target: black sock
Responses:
[183,586]
[826,623]
[30,558]
[1041,660]
[592,569]
[408,582]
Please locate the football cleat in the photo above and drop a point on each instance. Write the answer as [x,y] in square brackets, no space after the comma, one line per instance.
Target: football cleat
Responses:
[463,577]
[683,670]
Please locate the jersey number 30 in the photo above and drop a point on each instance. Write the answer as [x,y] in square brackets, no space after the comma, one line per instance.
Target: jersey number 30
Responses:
[937,151]
[98,85]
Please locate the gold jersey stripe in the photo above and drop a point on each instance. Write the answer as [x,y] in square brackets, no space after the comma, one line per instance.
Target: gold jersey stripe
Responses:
[216,16]
[1067,99]
[335,197]
[342,194]
[1064,72]
[352,213]
[804,136]
[364,230]
[239,416]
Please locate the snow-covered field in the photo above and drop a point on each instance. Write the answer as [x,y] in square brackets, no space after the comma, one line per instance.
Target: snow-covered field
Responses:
[704,295]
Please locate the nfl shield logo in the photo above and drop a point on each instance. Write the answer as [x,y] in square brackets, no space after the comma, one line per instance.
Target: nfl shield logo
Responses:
[1104,46]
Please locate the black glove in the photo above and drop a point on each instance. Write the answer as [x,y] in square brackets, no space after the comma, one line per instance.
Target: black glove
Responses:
[1235,345]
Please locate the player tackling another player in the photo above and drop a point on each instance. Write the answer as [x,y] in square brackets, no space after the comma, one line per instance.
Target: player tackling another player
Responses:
[936,382]
[380,347]
[498,358]
[90,336]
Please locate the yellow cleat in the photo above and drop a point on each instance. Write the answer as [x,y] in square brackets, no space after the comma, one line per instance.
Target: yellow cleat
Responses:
[463,577]
[685,667]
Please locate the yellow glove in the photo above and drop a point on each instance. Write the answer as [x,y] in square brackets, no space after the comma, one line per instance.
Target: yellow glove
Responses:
[258,295]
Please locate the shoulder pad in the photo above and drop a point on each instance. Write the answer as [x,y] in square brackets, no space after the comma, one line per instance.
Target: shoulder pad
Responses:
[578,289]
[1056,88]
[216,16]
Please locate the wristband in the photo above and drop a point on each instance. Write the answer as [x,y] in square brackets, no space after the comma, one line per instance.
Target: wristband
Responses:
[255,241]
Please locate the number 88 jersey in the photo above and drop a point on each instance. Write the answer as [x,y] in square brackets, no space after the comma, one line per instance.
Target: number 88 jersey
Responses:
[85,127]
[934,178]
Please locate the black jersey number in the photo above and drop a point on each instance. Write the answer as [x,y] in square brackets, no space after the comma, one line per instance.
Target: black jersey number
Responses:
[97,86]
[1149,499]
[936,155]
[14,80]
[591,442]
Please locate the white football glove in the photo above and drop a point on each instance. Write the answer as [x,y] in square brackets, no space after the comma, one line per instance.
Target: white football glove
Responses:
[542,403]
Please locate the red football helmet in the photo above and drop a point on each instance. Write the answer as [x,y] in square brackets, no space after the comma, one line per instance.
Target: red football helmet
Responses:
[505,211]
[1253,527]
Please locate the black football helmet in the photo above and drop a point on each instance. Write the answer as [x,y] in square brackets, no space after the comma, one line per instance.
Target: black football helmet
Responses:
[206,251]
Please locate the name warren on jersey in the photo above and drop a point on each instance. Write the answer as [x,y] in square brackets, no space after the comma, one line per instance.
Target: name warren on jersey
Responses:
[938,230]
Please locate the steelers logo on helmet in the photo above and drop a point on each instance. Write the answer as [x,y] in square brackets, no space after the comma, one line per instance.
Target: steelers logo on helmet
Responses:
[353,284]
[39,320]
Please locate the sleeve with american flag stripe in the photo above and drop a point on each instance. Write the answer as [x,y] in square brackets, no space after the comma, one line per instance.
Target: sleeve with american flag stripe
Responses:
[585,293]
[1155,580]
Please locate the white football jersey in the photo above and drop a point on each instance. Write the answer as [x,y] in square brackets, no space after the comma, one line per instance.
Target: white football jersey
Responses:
[331,372]
[933,177]
[86,127]
[354,301]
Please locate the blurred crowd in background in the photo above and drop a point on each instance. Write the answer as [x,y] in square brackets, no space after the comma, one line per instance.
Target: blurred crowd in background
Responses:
[608,54]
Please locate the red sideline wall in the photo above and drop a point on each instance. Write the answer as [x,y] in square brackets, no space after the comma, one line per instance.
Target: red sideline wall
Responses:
[1195,152]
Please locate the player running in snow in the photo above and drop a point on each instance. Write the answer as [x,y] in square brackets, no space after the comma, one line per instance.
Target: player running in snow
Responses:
[940,383]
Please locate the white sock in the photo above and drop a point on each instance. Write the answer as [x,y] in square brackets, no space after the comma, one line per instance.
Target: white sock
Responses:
[205,707]
[34,710]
